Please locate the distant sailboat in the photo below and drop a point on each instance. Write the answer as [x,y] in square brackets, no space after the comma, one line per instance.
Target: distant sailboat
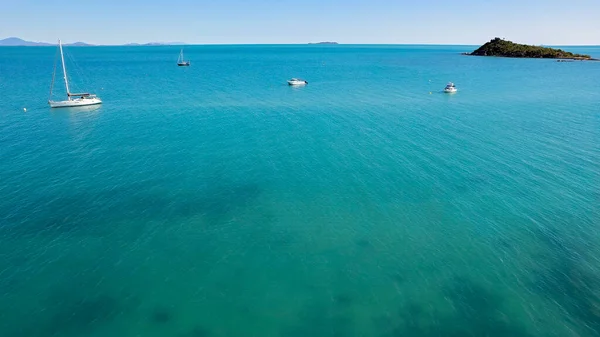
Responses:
[73,99]
[181,62]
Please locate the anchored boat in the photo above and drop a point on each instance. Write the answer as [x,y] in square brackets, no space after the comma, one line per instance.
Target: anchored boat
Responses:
[73,99]
[181,62]
[450,88]
[296,81]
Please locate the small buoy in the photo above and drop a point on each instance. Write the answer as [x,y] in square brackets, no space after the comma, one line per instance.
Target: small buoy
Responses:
[25,109]
[430,92]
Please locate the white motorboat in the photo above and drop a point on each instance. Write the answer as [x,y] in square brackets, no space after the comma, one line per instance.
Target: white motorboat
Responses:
[450,88]
[296,81]
[73,99]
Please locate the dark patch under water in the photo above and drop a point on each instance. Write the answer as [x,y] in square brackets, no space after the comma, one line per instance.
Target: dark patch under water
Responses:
[161,315]
[477,312]
[92,210]
[564,277]
[343,300]
[79,307]
[82,316]
[364,243]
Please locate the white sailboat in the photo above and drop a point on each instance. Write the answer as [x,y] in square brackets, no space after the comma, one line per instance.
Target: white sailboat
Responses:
[181,62]
[73,99]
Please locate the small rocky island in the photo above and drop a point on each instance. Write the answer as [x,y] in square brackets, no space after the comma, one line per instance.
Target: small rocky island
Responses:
[503,48]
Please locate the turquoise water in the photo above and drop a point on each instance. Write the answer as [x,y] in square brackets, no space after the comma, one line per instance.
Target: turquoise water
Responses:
[215,200]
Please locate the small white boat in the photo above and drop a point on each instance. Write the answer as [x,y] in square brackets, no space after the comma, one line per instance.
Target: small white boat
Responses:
[73,99]
[450,88]
[181,62]
[296,81]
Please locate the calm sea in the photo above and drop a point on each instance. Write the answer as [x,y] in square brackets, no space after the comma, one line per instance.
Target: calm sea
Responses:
[215,200]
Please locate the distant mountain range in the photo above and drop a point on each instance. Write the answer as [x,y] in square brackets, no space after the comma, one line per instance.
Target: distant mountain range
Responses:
[155,44]
[15,41]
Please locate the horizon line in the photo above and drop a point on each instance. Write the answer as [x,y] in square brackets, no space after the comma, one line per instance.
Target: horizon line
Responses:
[160,44]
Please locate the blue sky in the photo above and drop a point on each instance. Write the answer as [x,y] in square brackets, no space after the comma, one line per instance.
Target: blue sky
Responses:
[550,22]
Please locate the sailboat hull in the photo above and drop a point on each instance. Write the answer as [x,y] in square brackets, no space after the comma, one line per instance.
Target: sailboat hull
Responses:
[186,64]
[75,102]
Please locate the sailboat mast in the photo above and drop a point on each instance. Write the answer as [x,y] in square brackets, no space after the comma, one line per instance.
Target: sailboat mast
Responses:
[62,58]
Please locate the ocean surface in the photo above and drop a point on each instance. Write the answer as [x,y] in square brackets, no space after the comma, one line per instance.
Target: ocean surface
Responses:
[215,200]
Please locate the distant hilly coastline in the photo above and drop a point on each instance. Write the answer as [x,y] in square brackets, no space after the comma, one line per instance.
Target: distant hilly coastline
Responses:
[17,42]
[154,44]
[14,41]
[325,42]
